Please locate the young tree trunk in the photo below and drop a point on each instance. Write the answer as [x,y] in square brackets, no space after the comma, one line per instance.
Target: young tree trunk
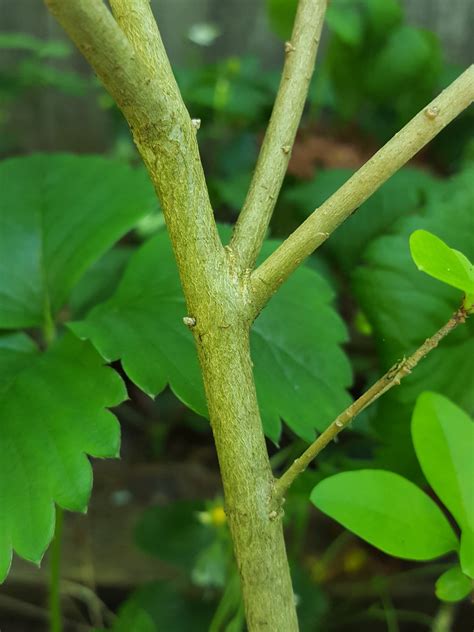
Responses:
[222,339]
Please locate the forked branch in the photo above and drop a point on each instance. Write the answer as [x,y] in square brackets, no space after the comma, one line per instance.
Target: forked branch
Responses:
[314,231]
[276,149]
[392,378]
[128,56]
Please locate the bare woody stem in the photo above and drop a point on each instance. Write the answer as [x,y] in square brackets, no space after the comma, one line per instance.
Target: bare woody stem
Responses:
[276,149]
[392,378]
[324,220]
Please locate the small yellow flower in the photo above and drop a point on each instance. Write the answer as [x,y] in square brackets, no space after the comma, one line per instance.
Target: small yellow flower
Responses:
[218,517]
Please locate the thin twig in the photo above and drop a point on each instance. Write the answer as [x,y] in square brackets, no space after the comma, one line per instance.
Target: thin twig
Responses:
[276,149]
[392,378]
[402,147]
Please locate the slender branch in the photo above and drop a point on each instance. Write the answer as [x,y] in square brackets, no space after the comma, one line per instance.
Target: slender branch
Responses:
[276,149]
[129,58]
[318,227]
[392,378]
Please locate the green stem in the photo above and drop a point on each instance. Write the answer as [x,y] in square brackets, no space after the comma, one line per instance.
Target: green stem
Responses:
[55,624]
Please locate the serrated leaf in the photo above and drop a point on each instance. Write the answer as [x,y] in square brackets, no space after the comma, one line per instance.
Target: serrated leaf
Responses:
[142,325]
[387,511]
[405,307]
[300,375]
[443,436]
[433,256]
[53,413]
[59,214]
[453,585]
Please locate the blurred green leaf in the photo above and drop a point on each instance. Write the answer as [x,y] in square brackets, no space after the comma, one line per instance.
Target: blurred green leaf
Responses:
[169,608]
[132,617]
[387,511]
[43,48]
[345,19]
[174,533]
[281,15]
[453,585]
[408,55]
[402,195]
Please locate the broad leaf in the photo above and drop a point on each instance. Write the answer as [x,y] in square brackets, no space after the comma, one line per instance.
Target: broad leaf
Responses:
[142,325]
[443,436]
[59,214]
[387,511]
[453,585]
[466,552]
[52,413]
[437,259]
[300,374]
[405,307]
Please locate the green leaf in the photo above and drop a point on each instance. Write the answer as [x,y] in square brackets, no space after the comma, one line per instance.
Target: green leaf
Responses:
[383,16]
[437,259]
[59,214]
[409,54]
[132,617]
[142,325]
[345,20]
[169,609]
[453,585]
[443,436]
[300,375]
[402,195]
[174,533]
[53,412]
[100,281]
[25,42]
[405,307]
[281,15]
[15,355]
[466,552]
[387,511]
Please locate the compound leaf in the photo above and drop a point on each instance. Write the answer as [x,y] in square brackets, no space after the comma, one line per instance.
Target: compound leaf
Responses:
[301,376]
[53,412]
